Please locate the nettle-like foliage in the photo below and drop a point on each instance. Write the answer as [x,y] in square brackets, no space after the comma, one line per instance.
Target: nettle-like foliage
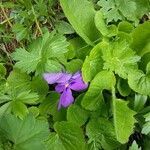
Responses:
[113,56]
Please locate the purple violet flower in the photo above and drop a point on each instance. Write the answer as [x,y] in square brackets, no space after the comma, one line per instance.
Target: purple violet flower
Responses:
[65,83]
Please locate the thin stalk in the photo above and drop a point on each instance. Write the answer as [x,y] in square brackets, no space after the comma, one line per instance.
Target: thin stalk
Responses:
[7,18]
[36,21]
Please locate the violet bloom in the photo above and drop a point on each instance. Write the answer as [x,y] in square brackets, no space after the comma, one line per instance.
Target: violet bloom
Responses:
[64,84]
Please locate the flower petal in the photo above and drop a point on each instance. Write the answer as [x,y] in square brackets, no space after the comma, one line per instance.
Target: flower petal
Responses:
[60,77]
[64,78]
[52,78]
[66,98]
[60,88]
[78,84]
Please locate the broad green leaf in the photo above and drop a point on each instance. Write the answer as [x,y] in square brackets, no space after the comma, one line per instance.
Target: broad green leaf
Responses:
[123,120]
[79,47]
[139,82]
[93,98]
[134,146]
[50,106]
[27,134]
[81,16]
[120,58]
[54,142]
[70,135]
[42,54]
[101,134]
[77,115]
[74,65]
[19,80]
[141,42]
[93,63]
[40,86]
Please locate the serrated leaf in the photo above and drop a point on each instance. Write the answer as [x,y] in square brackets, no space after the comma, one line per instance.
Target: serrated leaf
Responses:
[71,135]
[123,120]
[101,134]
[134,146]
[93,98]
[27,134]
[131,10]
[42,54]
[77,115]
[93,63]
[18,80]
[19,109]
[120,58]
[82,19]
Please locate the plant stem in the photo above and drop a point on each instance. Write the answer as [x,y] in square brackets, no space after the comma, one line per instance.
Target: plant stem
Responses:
[36,21]
[7,18]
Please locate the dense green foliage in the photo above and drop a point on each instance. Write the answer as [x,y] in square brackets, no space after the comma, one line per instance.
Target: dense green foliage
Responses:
[108,41]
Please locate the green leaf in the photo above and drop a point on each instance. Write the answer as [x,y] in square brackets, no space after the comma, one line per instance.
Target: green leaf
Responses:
[123,120]
[123,87]
[120,58]
[141,42]
[81,16]
[80,48]
[20,31]
[93,63]
[132,10]
[19,109]
[77,115]
[27,134]
[125,26]
[134,146]
[105,30]
[139,82]
[69,136]
[101,134]
[39,85]
[2,70]
[109,10]
[74,65]
[18,80]
[42,54]
[50,106]
[146,126]
[93,98]
[139,102]
[64,28]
